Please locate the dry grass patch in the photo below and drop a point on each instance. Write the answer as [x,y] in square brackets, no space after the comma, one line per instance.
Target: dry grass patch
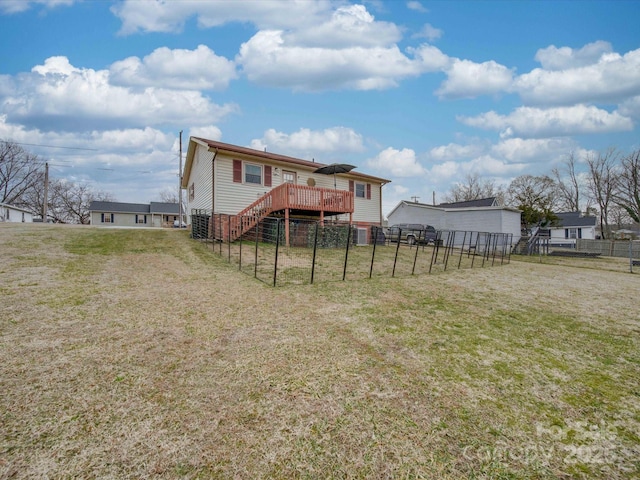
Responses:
[138,354]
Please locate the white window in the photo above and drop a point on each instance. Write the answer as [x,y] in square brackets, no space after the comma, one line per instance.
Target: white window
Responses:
[252,174]
[288,177]
[360,190]
[107,218]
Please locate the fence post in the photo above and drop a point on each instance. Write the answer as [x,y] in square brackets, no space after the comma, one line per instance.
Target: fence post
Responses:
[315,249]
[415,257]
[240,253]
[275,263]
[255,263]
[373,254]
[393,271]
[464,240]
[346,254]
[229,238]
[436,248]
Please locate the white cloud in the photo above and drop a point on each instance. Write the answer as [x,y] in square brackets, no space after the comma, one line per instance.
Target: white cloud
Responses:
[454,151]
[529,122]
[17,6]
[210,133]
[444,171]
[553,58]
[519,150]
[182,69]
[349,26]
[268,60]
[145,16]
[59,95]
[416,6]
[613,78]
[308,143]
[398,163]
[631,107]
[429,32]
[467,79]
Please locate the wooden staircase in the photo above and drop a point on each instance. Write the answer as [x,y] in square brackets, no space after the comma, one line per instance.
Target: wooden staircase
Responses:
[288,197]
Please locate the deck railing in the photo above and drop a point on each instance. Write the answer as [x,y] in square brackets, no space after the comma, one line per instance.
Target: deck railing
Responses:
[293,197]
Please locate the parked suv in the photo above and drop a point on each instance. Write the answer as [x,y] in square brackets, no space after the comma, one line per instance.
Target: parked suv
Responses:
[411,233]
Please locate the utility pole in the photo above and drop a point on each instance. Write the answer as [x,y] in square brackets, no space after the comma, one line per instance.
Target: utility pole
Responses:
[180,184]
[46,193]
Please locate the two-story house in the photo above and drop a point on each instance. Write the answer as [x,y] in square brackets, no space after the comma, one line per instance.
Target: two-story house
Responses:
[250,184]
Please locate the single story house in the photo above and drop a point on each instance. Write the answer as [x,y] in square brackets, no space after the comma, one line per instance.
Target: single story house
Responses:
[11,213]
[571,226]
[241,186]
[482,215]
[154,214]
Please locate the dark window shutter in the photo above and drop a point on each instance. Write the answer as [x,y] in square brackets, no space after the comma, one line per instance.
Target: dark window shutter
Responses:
[237,171]
[267,175]
[102,217]
[579,233]
[368,191]
[566,233]
[112,218]
[145,219]
[136,218]
[351,186]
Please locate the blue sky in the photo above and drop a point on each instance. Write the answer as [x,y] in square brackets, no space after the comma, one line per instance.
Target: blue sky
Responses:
[419,92]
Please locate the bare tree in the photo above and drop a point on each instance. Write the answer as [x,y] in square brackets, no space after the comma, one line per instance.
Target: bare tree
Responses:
[68,202]
[19,172]
[474,188]
[570,188]
[535,196]
[628,186]
[169,195]
[603,179]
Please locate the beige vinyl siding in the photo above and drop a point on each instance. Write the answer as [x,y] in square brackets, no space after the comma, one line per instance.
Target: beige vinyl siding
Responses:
[368,210]
[201,179]
[231,198]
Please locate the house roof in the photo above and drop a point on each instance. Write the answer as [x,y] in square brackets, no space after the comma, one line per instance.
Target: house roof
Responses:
[235,150]
[480,202]
[13,207]
[121,207]
[574,219]
[447,207]
[163,207]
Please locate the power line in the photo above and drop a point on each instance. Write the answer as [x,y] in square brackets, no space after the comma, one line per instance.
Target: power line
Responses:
[55,146]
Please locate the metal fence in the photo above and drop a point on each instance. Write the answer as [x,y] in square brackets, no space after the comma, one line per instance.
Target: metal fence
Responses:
[278,252]
[610,248]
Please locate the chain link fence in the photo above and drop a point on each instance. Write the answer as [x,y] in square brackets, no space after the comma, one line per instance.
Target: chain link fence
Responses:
[280,252]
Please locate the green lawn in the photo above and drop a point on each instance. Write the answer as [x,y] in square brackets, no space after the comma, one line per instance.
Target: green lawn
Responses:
[140,354]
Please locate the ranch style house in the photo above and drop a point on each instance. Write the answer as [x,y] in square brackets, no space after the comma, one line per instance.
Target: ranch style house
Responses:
[241,186]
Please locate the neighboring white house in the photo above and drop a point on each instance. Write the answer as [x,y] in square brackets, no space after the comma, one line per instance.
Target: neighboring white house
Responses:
[571,226]
[232,180]
[481,215]
[10,213]
[155,214]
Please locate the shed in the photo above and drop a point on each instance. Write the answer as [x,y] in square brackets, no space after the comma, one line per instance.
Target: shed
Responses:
[475,216]
[11,213]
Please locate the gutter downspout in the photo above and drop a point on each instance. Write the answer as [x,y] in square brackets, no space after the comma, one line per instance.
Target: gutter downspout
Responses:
[213,193]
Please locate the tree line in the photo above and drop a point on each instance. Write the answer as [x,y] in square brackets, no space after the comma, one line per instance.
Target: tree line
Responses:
[22,184]
[608,188]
